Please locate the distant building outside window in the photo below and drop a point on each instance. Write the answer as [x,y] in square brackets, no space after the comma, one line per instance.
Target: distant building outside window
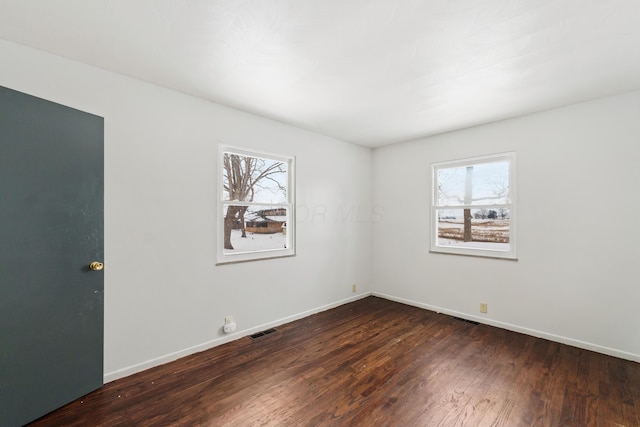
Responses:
[255,205]
[473,206]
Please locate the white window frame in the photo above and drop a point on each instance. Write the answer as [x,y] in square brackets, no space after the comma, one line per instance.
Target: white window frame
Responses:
[289,250]
[511,205]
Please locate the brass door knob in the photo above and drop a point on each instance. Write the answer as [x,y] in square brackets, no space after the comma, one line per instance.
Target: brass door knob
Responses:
[96,266]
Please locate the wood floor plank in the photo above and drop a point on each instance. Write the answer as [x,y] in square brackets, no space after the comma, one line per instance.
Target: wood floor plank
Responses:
[372,362]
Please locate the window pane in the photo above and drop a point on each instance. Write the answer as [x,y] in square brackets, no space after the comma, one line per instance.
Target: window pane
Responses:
[486,228]
[254,228]
[479,184]
[254,179]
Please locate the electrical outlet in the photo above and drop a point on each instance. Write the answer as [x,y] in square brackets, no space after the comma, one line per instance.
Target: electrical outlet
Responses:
[353,288]
[483,307]
[228,319]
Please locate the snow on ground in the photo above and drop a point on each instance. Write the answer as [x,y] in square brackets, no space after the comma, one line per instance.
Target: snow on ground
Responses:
[255,242]
[264,242]
[501,225]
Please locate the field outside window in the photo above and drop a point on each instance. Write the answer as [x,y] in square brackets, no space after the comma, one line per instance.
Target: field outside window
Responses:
[473,209]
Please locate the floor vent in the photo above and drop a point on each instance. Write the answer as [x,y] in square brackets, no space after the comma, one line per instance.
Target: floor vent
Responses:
[467,321]
[262,334]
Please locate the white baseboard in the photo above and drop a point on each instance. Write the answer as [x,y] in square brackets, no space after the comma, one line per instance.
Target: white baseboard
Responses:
[139,367]
[539,334]
[120,373]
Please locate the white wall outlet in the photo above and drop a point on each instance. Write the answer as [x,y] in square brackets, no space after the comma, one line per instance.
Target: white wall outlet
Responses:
[353,287]
[228,319]
[229,327]
[483,307]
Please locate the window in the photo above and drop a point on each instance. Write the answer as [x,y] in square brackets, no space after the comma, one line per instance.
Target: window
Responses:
[473,206]
[255,205]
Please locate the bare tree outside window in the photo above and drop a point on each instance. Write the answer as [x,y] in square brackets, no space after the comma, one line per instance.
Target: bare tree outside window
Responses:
[473,205]
[255,202]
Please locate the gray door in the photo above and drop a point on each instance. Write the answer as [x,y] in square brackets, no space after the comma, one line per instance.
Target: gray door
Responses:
[51,229]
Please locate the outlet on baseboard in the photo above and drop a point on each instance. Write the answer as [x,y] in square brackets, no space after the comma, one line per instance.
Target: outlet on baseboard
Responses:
[228,319]
[483,307]
[353,287]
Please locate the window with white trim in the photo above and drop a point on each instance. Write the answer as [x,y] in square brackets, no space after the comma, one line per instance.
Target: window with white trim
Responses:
[255,205]
[473,206]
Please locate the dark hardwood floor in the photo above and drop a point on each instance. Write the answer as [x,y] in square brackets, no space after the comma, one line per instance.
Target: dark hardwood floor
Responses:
[373,363]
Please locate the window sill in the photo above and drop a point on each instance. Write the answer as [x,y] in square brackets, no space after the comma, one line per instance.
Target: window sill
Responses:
[476,254]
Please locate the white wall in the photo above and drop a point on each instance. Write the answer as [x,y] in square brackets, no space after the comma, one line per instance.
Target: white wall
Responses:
[164,296]
[578,274]
[575,280]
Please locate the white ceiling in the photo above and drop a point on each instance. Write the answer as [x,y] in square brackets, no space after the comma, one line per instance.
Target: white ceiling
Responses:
[371,72]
